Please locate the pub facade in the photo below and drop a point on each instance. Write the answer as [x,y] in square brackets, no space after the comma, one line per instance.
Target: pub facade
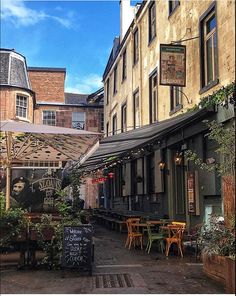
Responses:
[150,124]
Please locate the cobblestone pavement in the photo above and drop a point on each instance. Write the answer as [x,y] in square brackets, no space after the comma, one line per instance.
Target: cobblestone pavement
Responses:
[116,271]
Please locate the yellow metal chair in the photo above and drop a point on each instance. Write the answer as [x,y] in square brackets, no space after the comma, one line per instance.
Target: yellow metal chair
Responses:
[175,236]
[133,233]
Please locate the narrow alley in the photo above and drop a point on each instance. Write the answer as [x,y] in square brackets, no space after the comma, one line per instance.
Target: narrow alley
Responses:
[116,270]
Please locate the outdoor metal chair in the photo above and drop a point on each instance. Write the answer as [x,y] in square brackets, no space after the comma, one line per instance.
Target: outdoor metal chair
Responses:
[133,233]
[155,236]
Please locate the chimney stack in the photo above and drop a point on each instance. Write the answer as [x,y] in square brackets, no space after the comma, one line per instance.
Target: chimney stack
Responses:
[127,13]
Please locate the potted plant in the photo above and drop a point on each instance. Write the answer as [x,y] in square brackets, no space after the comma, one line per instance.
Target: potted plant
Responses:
[217,244]
[13,223]
[217,238]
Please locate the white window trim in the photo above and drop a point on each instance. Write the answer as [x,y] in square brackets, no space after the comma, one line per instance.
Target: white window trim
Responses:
[27,108]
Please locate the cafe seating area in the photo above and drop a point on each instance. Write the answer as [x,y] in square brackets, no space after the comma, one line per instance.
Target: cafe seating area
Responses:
[146,229]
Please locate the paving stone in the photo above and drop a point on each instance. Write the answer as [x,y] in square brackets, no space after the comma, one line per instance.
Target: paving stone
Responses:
[149,273]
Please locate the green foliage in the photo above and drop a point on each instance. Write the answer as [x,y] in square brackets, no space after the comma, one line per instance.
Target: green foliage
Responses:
[50,234]
[76,181]
[12,222]
[225,139]
[221,96]
[215,238]
[224,94]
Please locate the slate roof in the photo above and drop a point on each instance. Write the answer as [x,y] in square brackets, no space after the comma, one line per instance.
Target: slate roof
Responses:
[13,69]
[73,99]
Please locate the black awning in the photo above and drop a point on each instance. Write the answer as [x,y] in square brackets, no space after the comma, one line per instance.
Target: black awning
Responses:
[117,146]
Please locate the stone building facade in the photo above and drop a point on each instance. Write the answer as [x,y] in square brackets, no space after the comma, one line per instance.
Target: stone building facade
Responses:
[136,59]
[147,124]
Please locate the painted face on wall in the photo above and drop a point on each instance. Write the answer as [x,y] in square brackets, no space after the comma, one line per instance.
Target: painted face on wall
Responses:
[18,188]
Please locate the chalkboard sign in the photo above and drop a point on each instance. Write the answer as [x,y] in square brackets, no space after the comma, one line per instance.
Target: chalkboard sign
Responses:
[77,247]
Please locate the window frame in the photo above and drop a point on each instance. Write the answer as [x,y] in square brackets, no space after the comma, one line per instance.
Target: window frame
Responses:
[173,4]
[21,108]
[174,107]
[136,46]
[54,111]
[124,65]
[115,80]
[152,21]
[153,102]
[78,121]
[124,118]
[101,121]
[204,85]
[114,124]
[107,90]
[107,128]
[136,93]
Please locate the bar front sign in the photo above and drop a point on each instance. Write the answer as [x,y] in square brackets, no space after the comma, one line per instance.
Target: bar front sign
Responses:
[191,192]
[172,65]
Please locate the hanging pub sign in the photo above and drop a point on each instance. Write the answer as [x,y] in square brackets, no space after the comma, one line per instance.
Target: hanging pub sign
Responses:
[172,65]
[191,192]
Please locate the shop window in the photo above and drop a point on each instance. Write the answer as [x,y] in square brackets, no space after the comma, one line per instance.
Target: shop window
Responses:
[124,118]
[115,80]
[124,65]
[114,125]
[136,110]
[153,97]
[173,4]
[136,47]
[78,120]
[152,21]
[49,117]
[175,98]
[208,49]
[21,106]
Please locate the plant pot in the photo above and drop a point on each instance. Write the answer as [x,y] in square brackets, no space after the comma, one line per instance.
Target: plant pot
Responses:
[230,276]
[214,266]
[228,184]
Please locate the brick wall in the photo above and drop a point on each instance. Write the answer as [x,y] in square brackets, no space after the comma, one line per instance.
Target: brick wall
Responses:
[64,116]
[48,86]
[8,103]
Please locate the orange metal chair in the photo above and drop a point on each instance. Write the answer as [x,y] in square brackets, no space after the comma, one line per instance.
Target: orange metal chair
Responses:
[175,236]
[133,233]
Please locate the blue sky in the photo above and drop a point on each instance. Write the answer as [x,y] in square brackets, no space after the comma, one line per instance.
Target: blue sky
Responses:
[76,35]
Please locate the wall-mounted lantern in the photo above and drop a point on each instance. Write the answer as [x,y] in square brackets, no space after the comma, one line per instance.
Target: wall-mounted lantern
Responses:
[162,165]
[178,158]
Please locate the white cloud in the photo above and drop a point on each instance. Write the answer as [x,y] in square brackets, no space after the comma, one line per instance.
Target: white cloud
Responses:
[16,12]
[84,85]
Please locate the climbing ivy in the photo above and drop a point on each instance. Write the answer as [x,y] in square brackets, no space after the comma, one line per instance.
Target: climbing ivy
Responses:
[224,95]
[225,139]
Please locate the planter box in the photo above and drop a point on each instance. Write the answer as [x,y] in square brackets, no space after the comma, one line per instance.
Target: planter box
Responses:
[221,269]
[214,266]
[230,276]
